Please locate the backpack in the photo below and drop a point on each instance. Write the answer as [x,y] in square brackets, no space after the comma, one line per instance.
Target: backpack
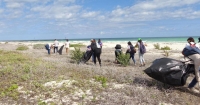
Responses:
[118,46]
[142,48]
[190,50]
[132,48]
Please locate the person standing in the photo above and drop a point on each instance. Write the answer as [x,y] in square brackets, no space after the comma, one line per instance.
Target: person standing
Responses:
[56,43]
[96,48]
[67,44]
[196,59]
[100,43]
[140,46]
[131,50]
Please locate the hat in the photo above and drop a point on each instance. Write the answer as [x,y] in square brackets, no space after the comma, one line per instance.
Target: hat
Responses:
[139,38]
[91,39]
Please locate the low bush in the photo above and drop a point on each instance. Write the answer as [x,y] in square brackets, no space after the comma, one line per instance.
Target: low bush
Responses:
[165,48]
[22,47]
[38,46]
[77,45]
[101,79]
[76,54]
[124,59]
[157,46]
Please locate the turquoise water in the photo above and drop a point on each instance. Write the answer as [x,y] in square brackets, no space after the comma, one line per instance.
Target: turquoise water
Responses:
[146,39]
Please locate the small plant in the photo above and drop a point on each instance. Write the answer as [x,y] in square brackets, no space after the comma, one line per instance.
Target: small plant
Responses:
[166,53]
[76,55]
[22,47]
[38,46]
[76,45]
[41,103]
[165,48]
[101,79]
[157,46]
[124,59]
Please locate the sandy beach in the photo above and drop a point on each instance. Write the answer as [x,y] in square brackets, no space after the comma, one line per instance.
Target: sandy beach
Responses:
[138,85]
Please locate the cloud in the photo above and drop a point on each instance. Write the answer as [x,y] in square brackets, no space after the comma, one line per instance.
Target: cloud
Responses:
[71,16]
[89,14]
[14,5]
[155,10]
[1,11]
[160,4]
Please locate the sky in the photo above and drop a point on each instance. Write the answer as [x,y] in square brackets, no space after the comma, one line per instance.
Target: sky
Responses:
[77,19]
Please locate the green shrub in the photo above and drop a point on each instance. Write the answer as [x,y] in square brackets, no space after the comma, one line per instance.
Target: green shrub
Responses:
[76,55]
[101,79]
[76,45]
[157,46]
[38,46]
[166,53]
[22,47]
[124,59]
[165,48]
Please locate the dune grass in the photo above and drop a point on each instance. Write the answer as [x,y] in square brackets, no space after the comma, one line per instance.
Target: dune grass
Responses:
[19,71]
[22,47]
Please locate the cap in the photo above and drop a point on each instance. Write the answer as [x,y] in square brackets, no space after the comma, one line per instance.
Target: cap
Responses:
[139,38]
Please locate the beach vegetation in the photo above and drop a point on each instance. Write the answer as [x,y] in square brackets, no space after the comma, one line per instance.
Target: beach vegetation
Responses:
[157,46]
[6,42]
[165,48]
[38,46]
[77,45]
[29,79]
[123,59]
[102,80]
[22,47]
[76,54]
[166,53]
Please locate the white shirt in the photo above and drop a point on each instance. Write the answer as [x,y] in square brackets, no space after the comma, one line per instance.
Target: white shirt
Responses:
[98,46]
[187,44]
[66,44]
[56,43]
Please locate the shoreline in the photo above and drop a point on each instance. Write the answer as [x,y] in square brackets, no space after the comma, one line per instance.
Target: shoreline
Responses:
[150,45]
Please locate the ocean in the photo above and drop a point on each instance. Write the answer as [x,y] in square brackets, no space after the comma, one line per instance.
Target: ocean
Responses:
[114,40]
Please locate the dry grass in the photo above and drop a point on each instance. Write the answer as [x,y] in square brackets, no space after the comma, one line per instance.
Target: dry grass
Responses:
[33,77]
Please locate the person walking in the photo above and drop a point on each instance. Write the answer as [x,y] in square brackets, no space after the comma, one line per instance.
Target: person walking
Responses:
[131,50]
[196,59]
[96,48]
[56,43]
[141,51]
[67,44]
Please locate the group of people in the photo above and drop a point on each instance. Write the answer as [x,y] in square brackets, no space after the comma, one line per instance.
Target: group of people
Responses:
[131,49]
[55,46]
[96,49]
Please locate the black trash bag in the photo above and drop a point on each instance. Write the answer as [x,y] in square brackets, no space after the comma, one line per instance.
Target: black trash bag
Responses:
[86,56]
[60,50]
[170,71]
